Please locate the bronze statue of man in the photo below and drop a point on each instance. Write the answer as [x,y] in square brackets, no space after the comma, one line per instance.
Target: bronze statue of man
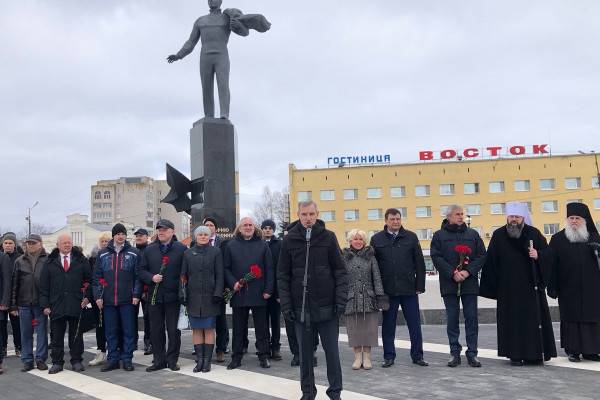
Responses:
[213,31]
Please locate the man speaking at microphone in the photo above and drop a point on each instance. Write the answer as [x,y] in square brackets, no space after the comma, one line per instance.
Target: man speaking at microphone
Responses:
[313,287]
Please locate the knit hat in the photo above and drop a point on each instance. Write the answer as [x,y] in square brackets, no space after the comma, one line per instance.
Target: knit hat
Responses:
[210,219]
[268,222]
[10,236]
[119,228]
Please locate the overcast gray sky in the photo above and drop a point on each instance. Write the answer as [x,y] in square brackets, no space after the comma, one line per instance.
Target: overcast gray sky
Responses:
[86,93]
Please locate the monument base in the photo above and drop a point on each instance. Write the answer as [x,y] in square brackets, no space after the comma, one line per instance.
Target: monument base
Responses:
[214,173]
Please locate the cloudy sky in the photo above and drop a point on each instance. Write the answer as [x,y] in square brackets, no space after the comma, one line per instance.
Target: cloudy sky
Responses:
[86,93]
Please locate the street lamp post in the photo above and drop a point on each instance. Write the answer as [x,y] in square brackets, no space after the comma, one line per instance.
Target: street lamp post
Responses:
[28,218]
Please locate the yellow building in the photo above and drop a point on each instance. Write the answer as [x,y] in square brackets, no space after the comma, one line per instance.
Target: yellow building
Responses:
[357,196]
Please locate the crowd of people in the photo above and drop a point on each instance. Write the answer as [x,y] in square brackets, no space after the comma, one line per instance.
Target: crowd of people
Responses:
[306,278]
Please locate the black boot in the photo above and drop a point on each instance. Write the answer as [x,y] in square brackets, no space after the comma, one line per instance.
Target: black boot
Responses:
[199,349]
[208,353]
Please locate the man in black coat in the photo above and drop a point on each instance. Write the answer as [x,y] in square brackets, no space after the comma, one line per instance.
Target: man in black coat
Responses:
[117,291]
[160,269]
[222,330]
[13,251]
[64,291]
[512,275]
[402,269]
[575,281]
[459,282]
[141,242]
[5,278]
[268,228]
[318,304]
[245,251]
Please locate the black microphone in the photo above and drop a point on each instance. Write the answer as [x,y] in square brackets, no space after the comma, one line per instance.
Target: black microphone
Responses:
[308,233]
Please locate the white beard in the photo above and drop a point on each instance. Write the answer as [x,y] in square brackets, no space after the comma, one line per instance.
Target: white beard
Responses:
[577,235]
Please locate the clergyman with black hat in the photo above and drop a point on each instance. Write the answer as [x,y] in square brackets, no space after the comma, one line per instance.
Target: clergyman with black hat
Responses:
[575,281]
[141,242]
[117,292]
[25,300]
[512,275]
[160,269]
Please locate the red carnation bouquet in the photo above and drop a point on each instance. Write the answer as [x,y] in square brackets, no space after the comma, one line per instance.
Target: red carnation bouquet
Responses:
[163,267]
[255,273]
[463,252]
[83,289]
[103,284]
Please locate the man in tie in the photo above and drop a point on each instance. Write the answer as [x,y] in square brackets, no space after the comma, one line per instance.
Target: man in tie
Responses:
[402,268]
[222,329]
[64,291]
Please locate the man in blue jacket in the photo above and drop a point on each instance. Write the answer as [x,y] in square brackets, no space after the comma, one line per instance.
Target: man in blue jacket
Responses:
[117,291]
[402,268]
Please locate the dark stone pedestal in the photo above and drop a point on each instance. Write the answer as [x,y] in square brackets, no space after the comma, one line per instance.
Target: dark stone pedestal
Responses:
[214,173]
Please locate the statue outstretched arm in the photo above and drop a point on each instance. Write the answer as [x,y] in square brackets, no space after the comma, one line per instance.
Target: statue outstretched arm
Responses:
[188,46]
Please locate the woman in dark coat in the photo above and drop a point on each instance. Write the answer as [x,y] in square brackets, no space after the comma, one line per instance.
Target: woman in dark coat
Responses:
[364,291]
[202,293]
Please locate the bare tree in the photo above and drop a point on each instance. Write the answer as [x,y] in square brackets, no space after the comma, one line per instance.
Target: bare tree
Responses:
[39,229]
[272,205]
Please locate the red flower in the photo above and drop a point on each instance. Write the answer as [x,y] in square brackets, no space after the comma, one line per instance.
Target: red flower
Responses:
[461,248]
[34,323]
[165,260]
[85,286]
[103,282]
[256,271]
[146,287]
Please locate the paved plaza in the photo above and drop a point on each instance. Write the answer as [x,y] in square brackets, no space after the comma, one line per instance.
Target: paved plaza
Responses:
[559,379]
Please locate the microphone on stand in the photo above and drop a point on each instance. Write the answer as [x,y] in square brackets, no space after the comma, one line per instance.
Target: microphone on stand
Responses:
[308,233]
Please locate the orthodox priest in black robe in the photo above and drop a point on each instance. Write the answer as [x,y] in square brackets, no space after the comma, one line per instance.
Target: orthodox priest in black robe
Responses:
[512,275]
[575,281]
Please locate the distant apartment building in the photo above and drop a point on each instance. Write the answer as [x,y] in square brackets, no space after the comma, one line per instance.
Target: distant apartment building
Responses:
[135,201]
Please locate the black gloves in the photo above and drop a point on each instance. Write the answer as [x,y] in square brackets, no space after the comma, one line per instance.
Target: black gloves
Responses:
[289,315]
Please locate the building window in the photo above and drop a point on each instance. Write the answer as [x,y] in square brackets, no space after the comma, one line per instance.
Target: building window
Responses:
[550,206]
[374,193]
[473,209]
[304,196]
[444,210]
[327,195]
[446,189]
[496,187]
[596,204]
[97,195]
[149,224]
[424,234]
[471,188]
[547,184]
[573,183]
[596,182]
[497,208]
[403,212]
[423,212]
[374,214]
[106,195]
[398,191]
[77,238]
[350,215]
[327,216]
[522,186]
[97,205]
[350,194]
[422,190]
[551,229]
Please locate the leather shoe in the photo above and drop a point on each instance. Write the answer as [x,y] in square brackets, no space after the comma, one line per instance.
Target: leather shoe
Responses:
[110,367]
[264,363]
[295,361]
[387,363]
[276,355]
[28,366]
[148,350]
[156,367]
[421,363]
[78,367]
[41,366]
[591,357]
[128,367]
[516,363]
[454,361]
[55,369]
[174,367]
[574,358]
[220,356]
[474,362]
[235,363]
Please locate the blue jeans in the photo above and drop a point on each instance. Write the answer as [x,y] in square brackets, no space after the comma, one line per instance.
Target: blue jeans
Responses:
[119,320]
[27,315]
[469,303]
[412,315]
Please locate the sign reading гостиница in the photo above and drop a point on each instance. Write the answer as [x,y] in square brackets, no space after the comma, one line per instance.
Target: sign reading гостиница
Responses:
[359,160]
